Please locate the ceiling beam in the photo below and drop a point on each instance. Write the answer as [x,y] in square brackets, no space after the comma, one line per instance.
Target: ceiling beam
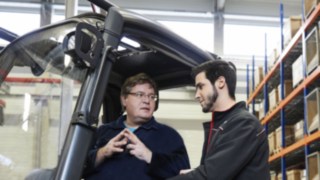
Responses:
[220,5]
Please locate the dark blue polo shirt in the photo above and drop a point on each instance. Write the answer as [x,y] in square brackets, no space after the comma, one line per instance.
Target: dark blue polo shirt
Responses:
[169,154]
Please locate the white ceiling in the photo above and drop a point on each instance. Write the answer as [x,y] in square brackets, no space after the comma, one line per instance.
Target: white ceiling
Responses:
[232,9]
[237,7]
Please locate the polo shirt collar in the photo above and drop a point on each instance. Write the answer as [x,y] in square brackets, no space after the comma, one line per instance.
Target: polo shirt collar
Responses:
[119,124]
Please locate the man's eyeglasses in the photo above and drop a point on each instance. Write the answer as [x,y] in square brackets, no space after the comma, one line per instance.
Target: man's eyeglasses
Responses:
[141,95]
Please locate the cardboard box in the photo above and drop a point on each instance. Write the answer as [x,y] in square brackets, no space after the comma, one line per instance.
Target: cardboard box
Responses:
[261,110]
[251,86]
[298,130]
[273,175]
[258,75]
[256,113]
[279,176]
[297,71]
[274,56]
[287,88]
[313,170]
[272,142]
[273,98]
[312,50]
[313,109]
[309,6]
[294,174]
[291,27]
[289,136]
[303,174]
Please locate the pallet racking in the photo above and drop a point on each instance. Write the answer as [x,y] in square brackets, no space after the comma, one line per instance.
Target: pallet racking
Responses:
[291,108]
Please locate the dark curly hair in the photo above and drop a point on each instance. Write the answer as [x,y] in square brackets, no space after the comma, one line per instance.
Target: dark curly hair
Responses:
[214,69]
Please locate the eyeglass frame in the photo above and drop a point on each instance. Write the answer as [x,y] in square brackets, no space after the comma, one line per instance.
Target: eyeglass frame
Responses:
[140,95]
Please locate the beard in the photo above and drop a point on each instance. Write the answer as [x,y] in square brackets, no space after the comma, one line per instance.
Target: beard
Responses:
[211,100]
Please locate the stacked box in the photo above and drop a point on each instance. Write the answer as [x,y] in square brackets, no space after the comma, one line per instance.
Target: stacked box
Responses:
[298,130]
[287,88]
[272,142]
[261,110]
[291,27]
[251,86]
[303,174]
[279,176]
[274,56]
[313,170]
[273,98]
[313,108]
[258,75]
[309,6]
[312,50]
[289,136]
[294,174]
[273,175]
[256,113]
[297,71]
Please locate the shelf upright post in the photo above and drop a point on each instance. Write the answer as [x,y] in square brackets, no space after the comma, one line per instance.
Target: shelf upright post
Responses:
[281,27]
[305,89]
[253,100]
[266,65]
[265,88]
[282,113]
[248,83]
[305,93]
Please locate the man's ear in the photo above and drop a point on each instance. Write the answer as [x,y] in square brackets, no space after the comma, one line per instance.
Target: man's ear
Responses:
[221,82]
[123,101]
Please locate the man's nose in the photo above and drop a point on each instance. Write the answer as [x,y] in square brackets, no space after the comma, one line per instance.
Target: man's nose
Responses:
[197,96]
[146,99]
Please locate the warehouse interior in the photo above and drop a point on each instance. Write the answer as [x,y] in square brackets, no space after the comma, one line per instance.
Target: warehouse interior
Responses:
[271,42]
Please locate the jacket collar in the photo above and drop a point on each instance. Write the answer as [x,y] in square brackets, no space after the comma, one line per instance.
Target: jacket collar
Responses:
[219,116]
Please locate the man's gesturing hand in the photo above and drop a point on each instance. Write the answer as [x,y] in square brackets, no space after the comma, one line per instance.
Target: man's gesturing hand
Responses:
[137,148]
[115,145]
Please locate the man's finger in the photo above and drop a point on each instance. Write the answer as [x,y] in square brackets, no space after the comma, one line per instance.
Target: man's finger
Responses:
[117,149]
[120,143]
[130,146]
[119,136]
[132,137]
[185,171]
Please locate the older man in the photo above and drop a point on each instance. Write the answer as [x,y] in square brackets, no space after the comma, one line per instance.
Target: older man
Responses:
[136,146]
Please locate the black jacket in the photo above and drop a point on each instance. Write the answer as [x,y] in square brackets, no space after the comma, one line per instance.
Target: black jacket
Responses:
[238,149]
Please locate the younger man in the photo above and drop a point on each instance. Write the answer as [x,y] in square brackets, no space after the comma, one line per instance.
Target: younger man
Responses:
[236,145]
